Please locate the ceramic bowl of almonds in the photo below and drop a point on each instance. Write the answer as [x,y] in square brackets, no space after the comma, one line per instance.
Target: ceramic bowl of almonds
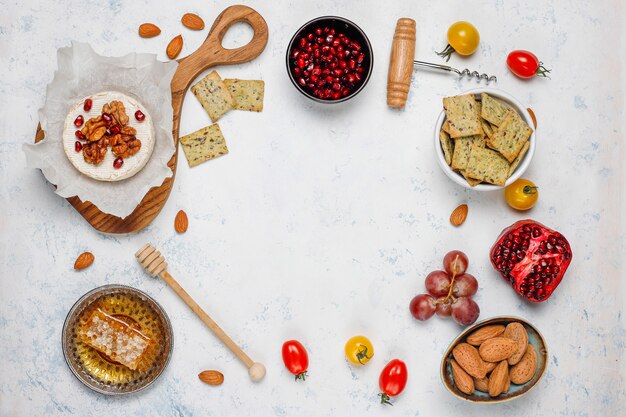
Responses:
[496,360]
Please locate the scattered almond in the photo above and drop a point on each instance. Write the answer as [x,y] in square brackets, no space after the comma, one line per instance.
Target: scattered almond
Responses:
[462,380]
[192,21]
[459,215]
[517,332]
[532,116]
[526,368]
[149,30]
[468,358]
[479,336]
[497,349]
[211,377]
[84,260]
[174,47]
[498,378]
[181,223]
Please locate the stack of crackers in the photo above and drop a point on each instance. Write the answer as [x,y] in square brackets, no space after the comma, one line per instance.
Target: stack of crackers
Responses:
[218,96]
[483,140]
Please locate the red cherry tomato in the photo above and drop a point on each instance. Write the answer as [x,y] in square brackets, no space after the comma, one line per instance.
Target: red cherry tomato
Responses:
[525,64]
[296,359]
[392,380]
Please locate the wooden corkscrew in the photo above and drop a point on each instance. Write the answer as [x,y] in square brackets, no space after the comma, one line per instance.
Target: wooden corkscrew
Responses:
[402,61]
[154,263]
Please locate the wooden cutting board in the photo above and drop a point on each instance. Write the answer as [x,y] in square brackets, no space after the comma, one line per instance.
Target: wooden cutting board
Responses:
[211,53]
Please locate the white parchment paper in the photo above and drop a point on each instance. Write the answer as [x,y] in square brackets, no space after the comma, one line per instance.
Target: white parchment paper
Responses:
[82,72]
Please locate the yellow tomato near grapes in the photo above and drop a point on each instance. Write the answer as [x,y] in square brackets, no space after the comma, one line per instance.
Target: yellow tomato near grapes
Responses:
[463,38]
[522,194]
[359,350]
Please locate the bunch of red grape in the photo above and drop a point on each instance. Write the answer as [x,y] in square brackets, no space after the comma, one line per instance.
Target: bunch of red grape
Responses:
[449,292]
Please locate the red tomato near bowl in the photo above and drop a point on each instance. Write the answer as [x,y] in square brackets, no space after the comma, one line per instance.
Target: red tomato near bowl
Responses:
[296,359]
[525,64]
[392,380]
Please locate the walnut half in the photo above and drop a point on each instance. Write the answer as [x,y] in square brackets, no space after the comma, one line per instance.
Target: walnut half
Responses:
[117,110]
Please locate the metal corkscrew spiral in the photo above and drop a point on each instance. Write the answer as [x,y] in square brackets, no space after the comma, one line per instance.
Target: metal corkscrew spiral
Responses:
[464,73]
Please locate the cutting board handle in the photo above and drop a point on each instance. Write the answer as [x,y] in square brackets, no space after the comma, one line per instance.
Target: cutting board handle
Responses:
[212,53]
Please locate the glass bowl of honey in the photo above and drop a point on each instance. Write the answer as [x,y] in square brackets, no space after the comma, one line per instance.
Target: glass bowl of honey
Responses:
[117,340]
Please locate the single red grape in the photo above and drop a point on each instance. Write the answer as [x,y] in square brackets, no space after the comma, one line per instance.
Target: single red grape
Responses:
[438,283]
[443,309]
[422,306]
[465,311]
[454,265]
[465,285]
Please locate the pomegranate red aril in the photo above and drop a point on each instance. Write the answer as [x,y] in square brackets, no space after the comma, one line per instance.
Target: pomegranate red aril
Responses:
[78,122]
[323,73]
[115,129]
[117,164]
[80,135]
[78,146]
[107,117]
[537,267]
[87,105]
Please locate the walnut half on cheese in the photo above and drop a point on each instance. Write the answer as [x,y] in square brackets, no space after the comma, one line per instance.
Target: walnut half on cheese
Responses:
[114,338]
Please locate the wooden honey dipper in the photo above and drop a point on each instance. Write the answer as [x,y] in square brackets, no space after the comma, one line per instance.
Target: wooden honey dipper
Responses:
[153,262]
[402,61]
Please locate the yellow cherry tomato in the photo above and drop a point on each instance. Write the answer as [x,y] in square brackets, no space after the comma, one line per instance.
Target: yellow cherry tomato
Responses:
[463,38]
[521,195]
[359,350]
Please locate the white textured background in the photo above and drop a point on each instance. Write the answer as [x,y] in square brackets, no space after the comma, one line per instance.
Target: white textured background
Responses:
[322,221]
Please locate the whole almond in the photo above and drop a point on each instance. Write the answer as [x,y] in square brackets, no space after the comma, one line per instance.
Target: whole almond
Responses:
[84,260]
[497,349]
[507,384]
[149,30]
[517,332]
[482,384]
[479,336]
[462,380]
[174,47]
[181,223]
[498,378]
[211,377]
[532,116]
[468,358]
[459,215]
[525,369]
[490,366]
[192,21]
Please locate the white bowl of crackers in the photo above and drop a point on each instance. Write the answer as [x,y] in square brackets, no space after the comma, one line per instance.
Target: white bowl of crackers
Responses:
[484,139]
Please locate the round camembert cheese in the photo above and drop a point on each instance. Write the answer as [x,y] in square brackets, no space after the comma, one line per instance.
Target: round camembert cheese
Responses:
[105,171]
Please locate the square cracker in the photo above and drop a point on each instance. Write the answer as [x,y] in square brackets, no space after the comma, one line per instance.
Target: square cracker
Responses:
[213,95]
[248,94]
[462,148]
[446,126]
[462,115]
[519,158]
[471,181]
[447,145]
[487,128]
[492,110]
[511,136]
[204,144]
[487,165]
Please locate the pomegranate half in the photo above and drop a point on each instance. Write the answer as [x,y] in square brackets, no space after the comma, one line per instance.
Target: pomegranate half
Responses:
[532,258]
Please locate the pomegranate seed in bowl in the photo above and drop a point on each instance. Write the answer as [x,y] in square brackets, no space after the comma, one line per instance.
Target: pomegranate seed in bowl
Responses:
[329,59]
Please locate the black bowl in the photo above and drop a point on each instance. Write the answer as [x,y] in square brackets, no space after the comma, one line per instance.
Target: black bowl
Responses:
[352,31]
